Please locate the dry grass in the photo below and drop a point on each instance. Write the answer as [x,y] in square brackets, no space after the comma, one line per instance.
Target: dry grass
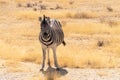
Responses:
[13,66]
[32,57]
[83,29]
[82,15]
[7,52]
[27,15]
[84,58]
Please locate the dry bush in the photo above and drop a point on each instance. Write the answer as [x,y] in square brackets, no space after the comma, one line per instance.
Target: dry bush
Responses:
[40,1]
[58,7]
[100,43]
[71,2]
[29,5]
[3,2]
[19,5]
[3,5]
[34,9]
[110,9]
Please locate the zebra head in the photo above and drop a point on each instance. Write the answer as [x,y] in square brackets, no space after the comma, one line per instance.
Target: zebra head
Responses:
[45,26]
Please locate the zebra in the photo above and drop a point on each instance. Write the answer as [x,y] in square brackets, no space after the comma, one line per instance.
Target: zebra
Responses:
[51,36]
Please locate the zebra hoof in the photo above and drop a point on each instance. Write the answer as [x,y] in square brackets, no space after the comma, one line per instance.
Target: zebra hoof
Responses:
[41,70]
[58,69]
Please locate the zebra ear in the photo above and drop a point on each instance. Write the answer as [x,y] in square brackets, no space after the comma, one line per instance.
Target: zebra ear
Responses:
[44,16]
[44,19]
[40,19]
[48,18]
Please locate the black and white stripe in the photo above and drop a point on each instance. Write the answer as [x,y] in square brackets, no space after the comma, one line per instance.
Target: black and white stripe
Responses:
[51,36]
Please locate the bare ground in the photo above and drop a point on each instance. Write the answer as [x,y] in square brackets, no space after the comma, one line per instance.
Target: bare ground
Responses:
[31,72]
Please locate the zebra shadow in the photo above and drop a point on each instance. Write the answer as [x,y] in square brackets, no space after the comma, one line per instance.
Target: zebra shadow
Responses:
[51,73]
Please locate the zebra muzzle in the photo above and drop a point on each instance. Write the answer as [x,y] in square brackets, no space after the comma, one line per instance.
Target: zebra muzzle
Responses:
[45,34]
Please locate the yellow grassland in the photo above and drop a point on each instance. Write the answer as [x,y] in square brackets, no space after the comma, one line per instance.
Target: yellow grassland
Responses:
[19,29]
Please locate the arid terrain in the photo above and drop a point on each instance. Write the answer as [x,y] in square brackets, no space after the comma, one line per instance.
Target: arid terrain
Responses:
[91,29]
[9,70]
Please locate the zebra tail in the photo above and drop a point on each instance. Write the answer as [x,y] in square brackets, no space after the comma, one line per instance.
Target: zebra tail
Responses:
[64,43]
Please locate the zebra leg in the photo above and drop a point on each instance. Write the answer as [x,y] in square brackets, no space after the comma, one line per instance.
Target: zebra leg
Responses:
[49,59]
[55,58]
[43,61]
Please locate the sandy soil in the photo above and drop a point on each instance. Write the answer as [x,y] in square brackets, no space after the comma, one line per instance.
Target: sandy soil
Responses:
[31,71]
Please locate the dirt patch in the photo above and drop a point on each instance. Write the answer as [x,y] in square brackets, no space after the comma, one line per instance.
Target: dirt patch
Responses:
[32,72]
